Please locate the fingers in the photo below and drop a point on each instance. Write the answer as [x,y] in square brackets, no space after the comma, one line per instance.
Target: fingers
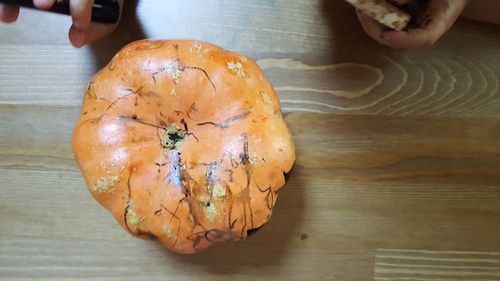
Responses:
[414,38]
[8,13]
[437,18]
[79,38]
[82,31]
[81,12]
[433,23]
[371,26]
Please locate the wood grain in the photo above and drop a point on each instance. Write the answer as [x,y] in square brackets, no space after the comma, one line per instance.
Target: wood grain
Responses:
[398,152]
[393,265]
[314,53]
[361,183]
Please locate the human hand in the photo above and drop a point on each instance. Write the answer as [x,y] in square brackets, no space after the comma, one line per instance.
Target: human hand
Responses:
[82,30]
[434,20]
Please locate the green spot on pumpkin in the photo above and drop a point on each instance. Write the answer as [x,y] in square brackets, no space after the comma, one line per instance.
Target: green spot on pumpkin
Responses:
[106,184]
[211,212]
[218,191]
[266,98]
[172,137]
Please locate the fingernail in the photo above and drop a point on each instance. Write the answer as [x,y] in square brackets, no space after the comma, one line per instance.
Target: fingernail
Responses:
[78,39]
[42,3]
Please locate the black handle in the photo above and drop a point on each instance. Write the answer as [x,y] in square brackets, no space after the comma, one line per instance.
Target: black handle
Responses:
[103,11]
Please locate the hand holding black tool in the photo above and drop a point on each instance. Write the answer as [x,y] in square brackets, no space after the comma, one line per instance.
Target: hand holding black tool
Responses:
[92,19]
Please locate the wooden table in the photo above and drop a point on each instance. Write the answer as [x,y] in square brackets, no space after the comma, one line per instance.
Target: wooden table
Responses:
[398,152]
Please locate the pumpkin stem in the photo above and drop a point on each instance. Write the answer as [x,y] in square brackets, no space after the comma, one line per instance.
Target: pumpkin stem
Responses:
[172,137]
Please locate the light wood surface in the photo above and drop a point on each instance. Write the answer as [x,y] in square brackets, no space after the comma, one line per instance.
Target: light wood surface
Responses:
[398,152]
[435,266]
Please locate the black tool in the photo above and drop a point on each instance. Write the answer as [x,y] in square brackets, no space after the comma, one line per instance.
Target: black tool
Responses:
[103,11]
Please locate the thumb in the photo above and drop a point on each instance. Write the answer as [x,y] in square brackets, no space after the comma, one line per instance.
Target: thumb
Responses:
[79,38]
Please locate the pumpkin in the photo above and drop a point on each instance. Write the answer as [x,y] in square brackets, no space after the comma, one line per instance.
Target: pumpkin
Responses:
[183,142]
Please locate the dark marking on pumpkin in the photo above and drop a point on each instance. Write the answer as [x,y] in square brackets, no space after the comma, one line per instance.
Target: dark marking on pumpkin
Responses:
[174,215]
[163,208]
[173,66]
[160,165]
[183,122]
[269,195]
[177,233]
[211,174]
[197,241]
[158,123]
[251,232]
[131,93]
[93,120]
[193,192]
[91,94]
[192,108]
[212,235]
[231,172]
[122,117]
[234,163]
[162,123]
[217,235]
[84,113]
[205,73]
[245,156]
[231,226]
[111,66]
[127,205]
[244,227]
[228,121]
[146,234]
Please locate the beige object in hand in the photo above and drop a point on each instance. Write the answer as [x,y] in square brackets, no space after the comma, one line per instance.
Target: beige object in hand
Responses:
[383,12]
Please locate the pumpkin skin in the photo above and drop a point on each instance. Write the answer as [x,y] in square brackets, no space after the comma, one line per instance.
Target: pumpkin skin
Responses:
[183,142]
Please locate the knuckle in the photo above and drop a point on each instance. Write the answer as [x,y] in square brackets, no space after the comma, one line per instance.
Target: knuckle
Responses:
[429,42]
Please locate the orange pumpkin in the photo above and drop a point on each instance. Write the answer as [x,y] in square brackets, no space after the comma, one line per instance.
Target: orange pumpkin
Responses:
[183,142]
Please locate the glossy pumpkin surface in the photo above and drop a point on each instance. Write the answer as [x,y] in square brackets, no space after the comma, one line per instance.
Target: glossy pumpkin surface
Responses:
[183,142]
